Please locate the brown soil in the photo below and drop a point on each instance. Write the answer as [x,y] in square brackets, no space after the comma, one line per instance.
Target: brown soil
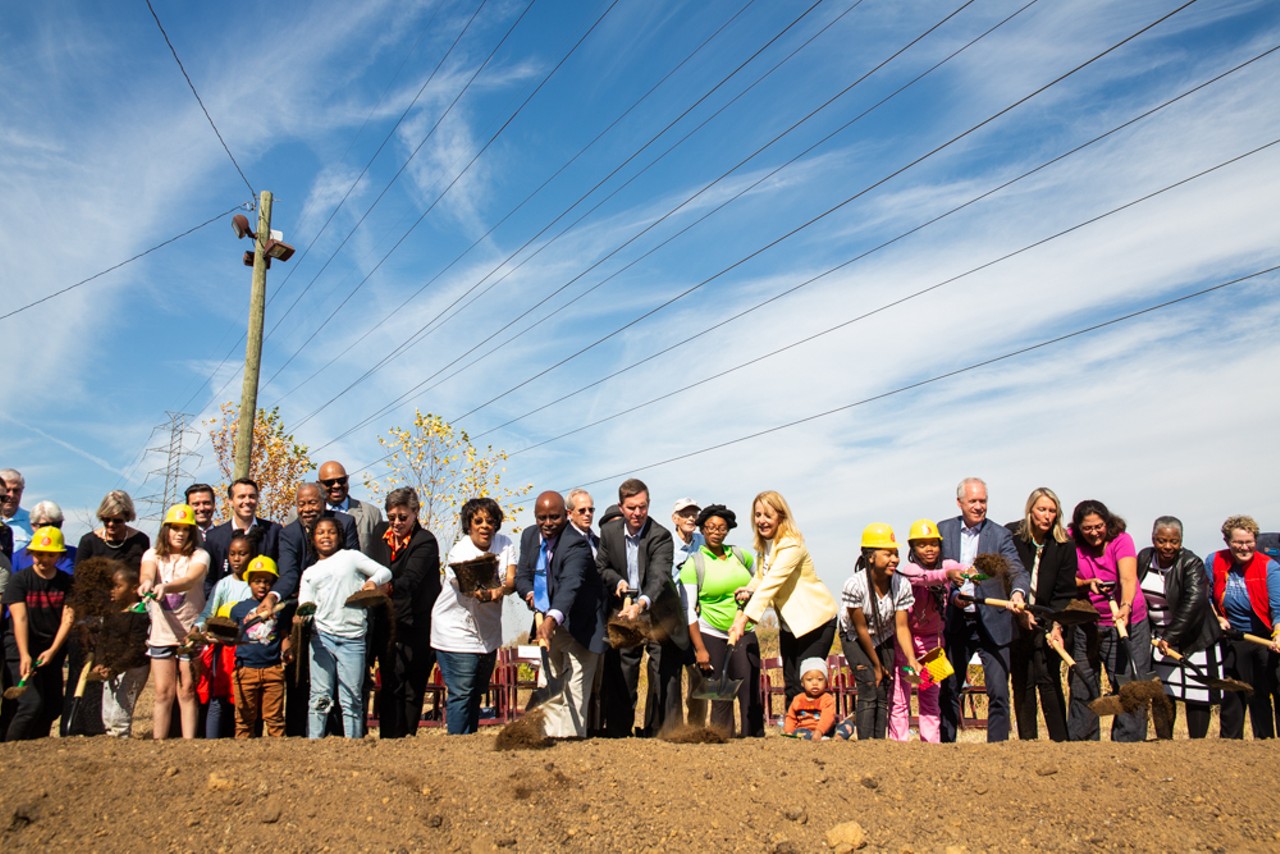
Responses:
[774,794]
[367,599]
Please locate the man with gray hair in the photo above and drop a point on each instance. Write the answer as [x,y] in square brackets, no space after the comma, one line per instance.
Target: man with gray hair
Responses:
[971,627]
[581,512]
[11,512]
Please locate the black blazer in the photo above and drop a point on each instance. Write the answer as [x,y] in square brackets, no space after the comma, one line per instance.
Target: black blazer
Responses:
[415,576]
[657,552]
[218,541]
[1192,625]
[573,585]
[296,552]
[1056,579]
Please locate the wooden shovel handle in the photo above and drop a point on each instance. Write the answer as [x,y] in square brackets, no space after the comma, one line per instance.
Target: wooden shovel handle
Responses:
[84,676]
[1060,650]
[1171,652]
[1123,630]
[994,603]
[1260,641]
[537,625]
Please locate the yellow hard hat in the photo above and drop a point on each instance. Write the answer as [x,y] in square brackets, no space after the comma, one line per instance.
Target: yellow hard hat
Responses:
[923,529]
[878,535]
[261,563]
[47,539]
[224,611]
[180,514]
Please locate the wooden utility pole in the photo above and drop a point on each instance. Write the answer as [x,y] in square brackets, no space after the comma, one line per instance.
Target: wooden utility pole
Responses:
[253,341]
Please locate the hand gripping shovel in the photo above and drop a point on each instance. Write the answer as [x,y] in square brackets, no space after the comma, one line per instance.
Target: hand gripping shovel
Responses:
[22,687]
[554,686]
[74,711]
[719,687]
[1076,613]
[1199,674]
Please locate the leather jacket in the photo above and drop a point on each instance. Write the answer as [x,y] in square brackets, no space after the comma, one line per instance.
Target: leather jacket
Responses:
[1192,625]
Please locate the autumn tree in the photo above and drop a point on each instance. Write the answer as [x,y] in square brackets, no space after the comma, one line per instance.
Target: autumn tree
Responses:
[439,461]
[278,462]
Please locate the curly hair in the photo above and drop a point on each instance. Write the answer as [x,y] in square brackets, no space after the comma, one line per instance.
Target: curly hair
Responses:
[1244,523]
[1092,507]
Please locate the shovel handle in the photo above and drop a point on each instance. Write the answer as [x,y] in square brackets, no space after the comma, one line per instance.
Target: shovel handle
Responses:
[1060,650]
[1260,641]
[1171,652]
[537,626]
[994,603]
[1122,630]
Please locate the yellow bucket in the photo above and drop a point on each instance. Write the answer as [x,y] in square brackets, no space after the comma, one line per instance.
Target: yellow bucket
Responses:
[935,661]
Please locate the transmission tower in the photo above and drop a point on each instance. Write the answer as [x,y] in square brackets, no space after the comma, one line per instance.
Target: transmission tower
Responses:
[174,452]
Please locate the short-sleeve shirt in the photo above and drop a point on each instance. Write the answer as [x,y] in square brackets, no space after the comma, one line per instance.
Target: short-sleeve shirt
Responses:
[880,616]
[1106,567]
[260,646]
[45,599]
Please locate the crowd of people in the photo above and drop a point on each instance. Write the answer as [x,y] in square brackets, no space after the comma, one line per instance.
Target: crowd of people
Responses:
[256,626]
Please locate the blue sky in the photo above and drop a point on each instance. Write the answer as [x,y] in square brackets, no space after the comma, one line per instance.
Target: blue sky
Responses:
[104,152]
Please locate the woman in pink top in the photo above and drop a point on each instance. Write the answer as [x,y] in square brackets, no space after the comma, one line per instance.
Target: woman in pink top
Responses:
[928,574]
[1107,572]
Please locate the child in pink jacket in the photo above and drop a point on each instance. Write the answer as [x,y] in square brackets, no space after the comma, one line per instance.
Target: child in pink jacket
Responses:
[928,574]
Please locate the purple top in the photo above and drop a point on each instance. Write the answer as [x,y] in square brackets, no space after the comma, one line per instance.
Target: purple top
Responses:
[1107,567]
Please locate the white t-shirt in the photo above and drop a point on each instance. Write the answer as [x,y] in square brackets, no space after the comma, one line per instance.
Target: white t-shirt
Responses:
[458,622]
[329,582]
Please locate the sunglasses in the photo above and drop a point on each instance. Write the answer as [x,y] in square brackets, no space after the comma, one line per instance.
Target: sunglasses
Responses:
[335,481]
[113,521]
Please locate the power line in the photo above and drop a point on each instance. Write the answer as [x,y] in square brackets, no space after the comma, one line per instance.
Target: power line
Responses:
[863,316]
[113,267]
[252,192]
[479,240]
[442,193]
[417,335]
[937,377]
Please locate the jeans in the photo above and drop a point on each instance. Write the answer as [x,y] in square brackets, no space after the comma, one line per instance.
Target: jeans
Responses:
[1093,647]
[872,711]
[119,696]
[466,677]
[340,660]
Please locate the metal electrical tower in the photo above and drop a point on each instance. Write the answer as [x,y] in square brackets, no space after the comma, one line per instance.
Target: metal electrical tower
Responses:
[175,475]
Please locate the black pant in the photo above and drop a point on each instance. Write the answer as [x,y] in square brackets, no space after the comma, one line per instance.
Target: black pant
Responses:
[619,689]
[89,718]
[872,711]
[1197,718]
[1255,665]
[404,667]
[793,650]
[1035,667]
[744,665]
[40,705]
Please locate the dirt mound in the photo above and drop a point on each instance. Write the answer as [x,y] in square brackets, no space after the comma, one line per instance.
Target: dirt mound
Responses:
[694,735]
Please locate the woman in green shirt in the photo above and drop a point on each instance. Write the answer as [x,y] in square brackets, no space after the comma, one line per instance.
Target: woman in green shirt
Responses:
[710,577]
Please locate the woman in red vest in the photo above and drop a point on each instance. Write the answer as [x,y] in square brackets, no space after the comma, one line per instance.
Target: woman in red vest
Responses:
[1245,585]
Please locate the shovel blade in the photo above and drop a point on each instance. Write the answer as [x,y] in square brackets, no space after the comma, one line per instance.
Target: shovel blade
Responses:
[717,688]
[554,687]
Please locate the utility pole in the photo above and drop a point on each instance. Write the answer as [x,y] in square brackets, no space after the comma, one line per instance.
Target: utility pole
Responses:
[253,340]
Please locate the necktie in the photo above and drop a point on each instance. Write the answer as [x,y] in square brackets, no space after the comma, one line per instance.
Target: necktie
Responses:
[541,601]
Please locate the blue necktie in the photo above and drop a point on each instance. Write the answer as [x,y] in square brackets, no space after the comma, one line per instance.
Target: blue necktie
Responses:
[541,601]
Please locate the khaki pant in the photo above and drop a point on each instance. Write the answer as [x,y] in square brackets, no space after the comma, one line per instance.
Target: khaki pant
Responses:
[566,715]
[259,695]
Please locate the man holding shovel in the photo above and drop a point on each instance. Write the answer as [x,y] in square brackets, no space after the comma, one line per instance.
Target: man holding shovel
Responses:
[557,578]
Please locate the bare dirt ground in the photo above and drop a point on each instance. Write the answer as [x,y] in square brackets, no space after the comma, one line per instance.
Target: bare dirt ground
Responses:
[774,794]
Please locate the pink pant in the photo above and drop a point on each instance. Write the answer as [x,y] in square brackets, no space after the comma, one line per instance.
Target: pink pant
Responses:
[900,701]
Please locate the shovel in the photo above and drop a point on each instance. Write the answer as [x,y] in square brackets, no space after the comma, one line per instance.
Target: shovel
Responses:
[1123,631]
[1060,650]
[1075,614]
[719,687]
[1199,674]
[22,687]
[554,686]
[1235,634]
[74,711]
[140,607]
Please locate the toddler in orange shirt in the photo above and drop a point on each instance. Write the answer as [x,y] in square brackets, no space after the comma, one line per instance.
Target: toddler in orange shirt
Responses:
[812,715]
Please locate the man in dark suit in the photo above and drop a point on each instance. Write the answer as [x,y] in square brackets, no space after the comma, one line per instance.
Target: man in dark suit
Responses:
[635,559]
[243,494]
[971,627]
[557,578]
[204,502]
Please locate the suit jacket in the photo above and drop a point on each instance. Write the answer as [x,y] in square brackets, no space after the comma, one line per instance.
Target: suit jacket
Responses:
[366,516]
[657,550]
[218,541]
[297,553]
[415,577]
[793,588]
[573,585]
[1056,578]
[996,624]
[1192,624]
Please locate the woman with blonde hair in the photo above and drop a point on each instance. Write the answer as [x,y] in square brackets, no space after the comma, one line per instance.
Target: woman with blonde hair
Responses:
[116,539]
[786,580]
[1049,554]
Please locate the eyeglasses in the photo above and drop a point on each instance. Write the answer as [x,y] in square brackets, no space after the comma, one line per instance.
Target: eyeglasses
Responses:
[403,517]
[335,481]
[113,521]
[587,510]
[715,529]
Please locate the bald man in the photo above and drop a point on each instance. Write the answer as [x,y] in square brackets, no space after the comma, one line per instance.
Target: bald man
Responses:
[335,484]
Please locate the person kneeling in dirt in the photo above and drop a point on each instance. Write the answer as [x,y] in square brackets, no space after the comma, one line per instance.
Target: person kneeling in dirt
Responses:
[557,577]
[260,656]
[812,714]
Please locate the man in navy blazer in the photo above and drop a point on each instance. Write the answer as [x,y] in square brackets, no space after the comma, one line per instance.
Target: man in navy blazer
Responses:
[971,627]
[557,577]
[243,495]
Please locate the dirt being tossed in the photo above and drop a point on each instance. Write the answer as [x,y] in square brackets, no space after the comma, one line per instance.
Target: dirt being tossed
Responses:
[368,599]
[996,566]
[525,733]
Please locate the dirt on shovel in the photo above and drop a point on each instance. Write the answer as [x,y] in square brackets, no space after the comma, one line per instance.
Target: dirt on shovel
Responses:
[222,629]
[527,732]
[367,599]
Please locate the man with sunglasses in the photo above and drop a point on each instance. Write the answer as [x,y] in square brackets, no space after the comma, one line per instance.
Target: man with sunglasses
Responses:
[337,496]
[581,512]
